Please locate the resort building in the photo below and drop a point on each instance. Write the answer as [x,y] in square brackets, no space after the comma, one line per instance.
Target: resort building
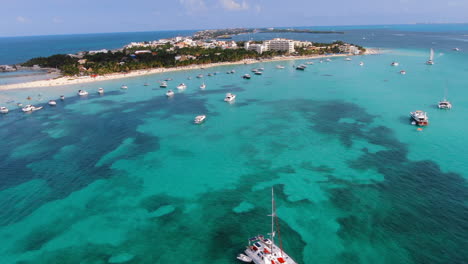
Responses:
[279,44]
[259,48]
[347,48]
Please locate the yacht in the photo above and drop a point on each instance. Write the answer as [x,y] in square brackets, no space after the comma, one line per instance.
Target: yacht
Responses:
[301,67]
[200,76]
[203,86]
[444,104]
[82,93]
[169,93]
[263,250]
[3,110]
[258,73]
[348,59]
[246,76]
[254,70]
[100,90]
[229,97]
[52,103]
[361,63]
[124,87]
[62,97]
[181,86]
[199,119]
[420,118]
[30,108]
[279,67]
[431,58]
[163,84]
[395,63]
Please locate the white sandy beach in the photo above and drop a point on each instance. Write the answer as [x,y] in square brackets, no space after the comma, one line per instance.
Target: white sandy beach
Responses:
[66,80]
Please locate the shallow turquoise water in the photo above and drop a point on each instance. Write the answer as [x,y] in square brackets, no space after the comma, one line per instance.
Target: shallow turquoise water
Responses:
[127,176]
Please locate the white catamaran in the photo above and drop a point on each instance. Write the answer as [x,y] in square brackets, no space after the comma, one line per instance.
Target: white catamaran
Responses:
[263,250]
[431,58]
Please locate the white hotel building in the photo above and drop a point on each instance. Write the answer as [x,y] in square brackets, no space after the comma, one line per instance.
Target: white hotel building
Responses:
[279,44]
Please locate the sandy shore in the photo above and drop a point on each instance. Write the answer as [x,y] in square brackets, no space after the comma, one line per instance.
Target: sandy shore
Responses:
[61,81]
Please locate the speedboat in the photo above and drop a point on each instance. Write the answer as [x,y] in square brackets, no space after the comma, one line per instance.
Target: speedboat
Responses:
[246,76]
[200,76]
[395,63]
[181,86]
[309,62]
[124,87]
[169,93]
[62,97]
[431,58]
[347,59]
[229,97]
[30,108]
[258,73]
[456,49]
[254,70]
[82,92]
[420,118]
[327,59]
[244,258]
[444,104]
[3,110]
[233,71]
[100,90]
[210,74]
[301,67]
[261,69]
[403,72]
[203,86]
[321,61]
[279,67]
[199,119]
[163,84]
[361,63]
[52,103]
[168,79]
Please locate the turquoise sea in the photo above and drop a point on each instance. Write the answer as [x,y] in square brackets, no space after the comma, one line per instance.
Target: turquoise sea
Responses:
[128,178]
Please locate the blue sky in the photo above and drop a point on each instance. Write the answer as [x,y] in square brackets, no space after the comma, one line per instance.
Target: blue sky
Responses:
[45,17]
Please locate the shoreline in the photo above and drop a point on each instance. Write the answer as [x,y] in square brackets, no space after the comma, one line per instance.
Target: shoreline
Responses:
[64,80]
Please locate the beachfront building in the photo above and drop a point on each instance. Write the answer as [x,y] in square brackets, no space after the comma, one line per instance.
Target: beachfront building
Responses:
[302,44]
[259,48]
[280,44]
[348,48]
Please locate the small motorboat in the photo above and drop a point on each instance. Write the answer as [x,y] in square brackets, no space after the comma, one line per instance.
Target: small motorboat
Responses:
[456,49]
[361,63]
[146,84]
[168,79]
[100,90]
[254,70]
[244,258]
[189,78]
[199,76]
[233,71]
[321,61]
[30,108]
[199,119]
[163,85]
[181,86]
[62,97]
[52,103]
[301,67]
[246,76]
[309,63]
[124,87]
[403,72]
[228,72]
[82,92]
[203,86]
[3,110]
[170,93]
[229,97]
[394,63]
[348,59]
[279,67]
[210,74]
[258,73]
[327,59]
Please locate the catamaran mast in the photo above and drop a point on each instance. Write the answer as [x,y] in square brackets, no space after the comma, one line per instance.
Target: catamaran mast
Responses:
[272,215]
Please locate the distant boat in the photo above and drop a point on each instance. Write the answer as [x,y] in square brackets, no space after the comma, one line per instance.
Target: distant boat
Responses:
[163,84]
[169,93]
[82,92]
[301,67]
[279,67]
[394,63]
[361,63]
[456,49]
[254,69]
[420,118]
[124,87]
[203,86]
[233,71]
[30,108]
[100,90]
[229,97]
[62,97]
[445,104]
[210,74]
[146,84]
[3,110]
[431,58]
[168,79]
[258,73]
[246,76]
[309,63]
[199,119]
[200,76]
[327,59]
[403,72]
[52,103]
[348,59]
[181,86]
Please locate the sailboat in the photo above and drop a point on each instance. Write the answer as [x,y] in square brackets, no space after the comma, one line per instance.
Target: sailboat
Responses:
[263,250]
[431,58]
[445,104]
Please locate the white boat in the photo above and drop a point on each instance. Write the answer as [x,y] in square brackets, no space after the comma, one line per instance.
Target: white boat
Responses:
[168,79]
[395,63]
[200,76]
[124,87]
[210,74]
[169,93]
[327,59]
[445,104]
[309,63]
[30,108]
[233,71]
[431,58]
[279,67]
[199,119]
[229,97]
[163,84]
[264,250]
[100,90]
[348,59]
[246,76]
[244,258]
[52,103]
[62,97]
[82,92]
[181,86]
[301,67]
[361,63]
[456,49]
[203,86]
[3,110]
[254,69]
[258,73]
[420,118]
[321,61]
[403,72]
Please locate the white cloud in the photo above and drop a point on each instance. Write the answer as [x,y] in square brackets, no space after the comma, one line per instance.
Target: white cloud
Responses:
[193,6]
[21,19]
[233,5]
